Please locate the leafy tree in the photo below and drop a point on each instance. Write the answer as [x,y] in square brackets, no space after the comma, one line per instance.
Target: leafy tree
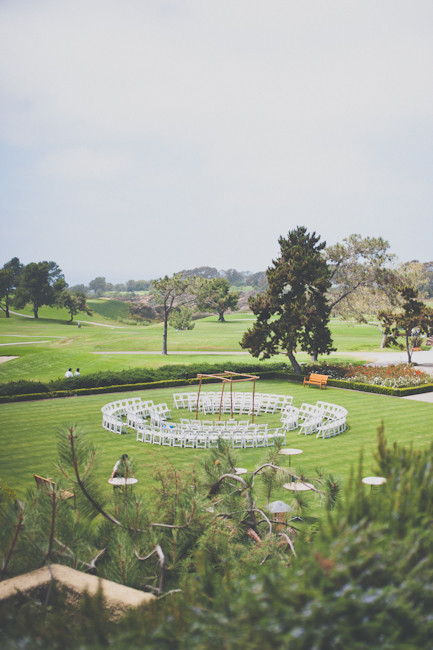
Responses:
[258,280]
[181,318]
[81,288]
[142,285]
[9,280]
[358,263]
[293,310]
[170,293]
[412,320]
[74,303]
[98,285]
[207,272]
[40,284]
[234,277]
[428,268]
[367,301]
[216,295]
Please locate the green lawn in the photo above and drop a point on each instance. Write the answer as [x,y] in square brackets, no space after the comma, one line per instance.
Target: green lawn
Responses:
[28,439]
[48,346]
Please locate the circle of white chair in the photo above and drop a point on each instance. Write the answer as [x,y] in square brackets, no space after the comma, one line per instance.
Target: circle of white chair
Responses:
[150,421]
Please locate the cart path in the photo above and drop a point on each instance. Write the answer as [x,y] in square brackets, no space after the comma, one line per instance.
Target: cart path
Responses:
[88,322]
[172,353]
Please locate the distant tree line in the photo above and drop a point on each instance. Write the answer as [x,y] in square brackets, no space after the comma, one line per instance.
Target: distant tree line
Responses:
[38,283]
[99,285]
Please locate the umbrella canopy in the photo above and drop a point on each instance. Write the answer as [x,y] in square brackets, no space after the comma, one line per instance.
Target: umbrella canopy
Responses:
[278,506]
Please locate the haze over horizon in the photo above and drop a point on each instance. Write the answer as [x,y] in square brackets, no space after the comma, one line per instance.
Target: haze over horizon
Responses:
[139,139]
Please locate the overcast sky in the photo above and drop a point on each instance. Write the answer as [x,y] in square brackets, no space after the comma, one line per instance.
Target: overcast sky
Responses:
[142,137]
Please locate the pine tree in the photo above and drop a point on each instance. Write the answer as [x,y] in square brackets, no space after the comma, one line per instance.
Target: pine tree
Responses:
[293,310]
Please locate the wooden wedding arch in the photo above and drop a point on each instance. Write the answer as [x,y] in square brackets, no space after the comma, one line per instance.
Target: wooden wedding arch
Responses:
[227,377]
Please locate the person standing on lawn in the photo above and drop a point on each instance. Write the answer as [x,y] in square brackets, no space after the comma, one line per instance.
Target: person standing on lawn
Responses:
[122,468]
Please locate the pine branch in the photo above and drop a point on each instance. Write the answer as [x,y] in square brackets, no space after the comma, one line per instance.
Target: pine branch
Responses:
[101,510]
[169,593]
[90,566]
[179,526]
[289,542]
[18,526]
[161,558]
[271,466]
[265,518]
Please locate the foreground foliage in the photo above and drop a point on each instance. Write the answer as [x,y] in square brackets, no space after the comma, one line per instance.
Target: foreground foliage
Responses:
[362,577]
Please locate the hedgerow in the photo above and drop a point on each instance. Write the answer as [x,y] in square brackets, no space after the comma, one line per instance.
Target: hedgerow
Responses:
[134,376]
[179,375]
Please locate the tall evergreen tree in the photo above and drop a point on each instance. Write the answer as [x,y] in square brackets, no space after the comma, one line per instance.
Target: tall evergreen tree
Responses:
[293,310]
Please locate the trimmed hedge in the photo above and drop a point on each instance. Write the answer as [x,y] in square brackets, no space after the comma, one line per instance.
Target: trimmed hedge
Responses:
[172,376]
[371,388]
[134,376]
[100,383]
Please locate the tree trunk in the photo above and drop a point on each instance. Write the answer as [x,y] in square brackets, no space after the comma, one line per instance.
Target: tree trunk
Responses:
[295,365]
[221,317]
[314,356]
[35,311]
[164,335]
[408,350]
[383,342]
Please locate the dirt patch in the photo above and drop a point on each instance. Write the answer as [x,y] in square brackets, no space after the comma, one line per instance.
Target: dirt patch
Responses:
[4,359]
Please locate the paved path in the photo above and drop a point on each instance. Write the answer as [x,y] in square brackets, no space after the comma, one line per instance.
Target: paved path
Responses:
[422,397]
[172,352]
[88,322]
[22,343]
[112,327]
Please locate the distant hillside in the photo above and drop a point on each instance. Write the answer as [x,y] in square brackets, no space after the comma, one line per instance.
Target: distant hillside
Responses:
[111,309]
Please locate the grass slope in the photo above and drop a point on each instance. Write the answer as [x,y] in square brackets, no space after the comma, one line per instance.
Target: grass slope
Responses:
[48,346]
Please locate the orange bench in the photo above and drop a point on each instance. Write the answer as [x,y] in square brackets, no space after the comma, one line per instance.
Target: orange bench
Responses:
[316,380]
[47,485]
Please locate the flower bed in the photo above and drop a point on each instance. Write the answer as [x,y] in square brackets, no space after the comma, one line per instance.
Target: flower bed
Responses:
[392,376]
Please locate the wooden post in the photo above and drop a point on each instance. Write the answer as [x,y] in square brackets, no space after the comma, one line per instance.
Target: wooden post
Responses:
[221,400]
[254,392]
[198,399]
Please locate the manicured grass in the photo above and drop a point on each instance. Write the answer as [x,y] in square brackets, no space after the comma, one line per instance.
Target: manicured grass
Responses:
[48,346]
[28,439]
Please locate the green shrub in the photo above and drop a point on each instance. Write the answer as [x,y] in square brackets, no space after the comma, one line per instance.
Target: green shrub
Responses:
[178,375]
